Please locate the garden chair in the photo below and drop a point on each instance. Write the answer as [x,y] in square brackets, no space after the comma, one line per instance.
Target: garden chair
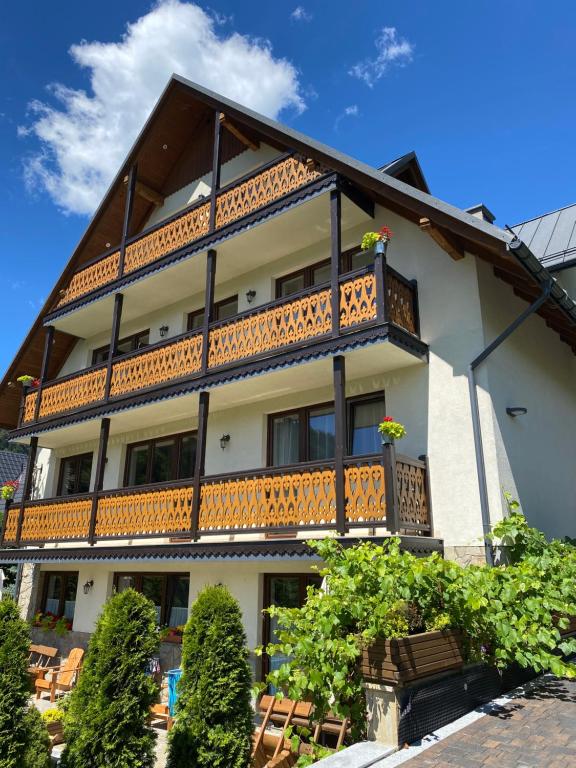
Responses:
[61,678]
[161,711]
[273,750]
[40,657]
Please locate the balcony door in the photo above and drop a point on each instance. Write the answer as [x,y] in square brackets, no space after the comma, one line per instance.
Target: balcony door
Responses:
[161,460]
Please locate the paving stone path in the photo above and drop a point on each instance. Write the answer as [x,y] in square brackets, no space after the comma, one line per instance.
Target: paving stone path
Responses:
[536,729]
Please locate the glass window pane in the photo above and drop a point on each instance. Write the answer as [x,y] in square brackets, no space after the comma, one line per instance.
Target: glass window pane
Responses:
[365,419]
[179,588]
[69,476]
[100,355]
[361,258]
[138,468]
[70,595]
[187,456]
[163,461]
[227,309]
[195,320]
[286,439]
[321,274]
[124,345]
[84,472]
[125,582]
[152,588]
[321,433]
[53,593]
[142,340]
[290,285]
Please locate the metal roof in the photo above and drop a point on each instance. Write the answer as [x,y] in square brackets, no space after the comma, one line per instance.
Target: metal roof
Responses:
[551,237]
[13,467]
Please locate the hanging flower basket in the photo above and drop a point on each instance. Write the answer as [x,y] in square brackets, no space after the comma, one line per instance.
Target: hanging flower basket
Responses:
[28,381]
[9,489]
[391,430]
[376,240]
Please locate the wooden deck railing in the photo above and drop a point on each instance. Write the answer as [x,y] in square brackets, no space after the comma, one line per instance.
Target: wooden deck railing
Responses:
[297,497]
[238,199]
[274,326]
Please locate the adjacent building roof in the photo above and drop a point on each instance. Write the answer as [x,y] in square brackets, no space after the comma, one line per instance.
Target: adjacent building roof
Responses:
[13,467]
[551,237]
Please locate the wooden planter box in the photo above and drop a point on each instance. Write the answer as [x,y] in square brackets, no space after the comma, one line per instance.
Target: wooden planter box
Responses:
[571,628]
[401,660]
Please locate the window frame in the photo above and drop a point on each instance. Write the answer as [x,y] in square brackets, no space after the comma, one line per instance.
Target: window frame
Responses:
[308,271]
[77,457]
[44,592]
[178,438]
[350,403]
[138,577]
[133,337]
[217,306]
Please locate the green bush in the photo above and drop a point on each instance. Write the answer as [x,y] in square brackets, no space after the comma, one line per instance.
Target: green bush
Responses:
[24,740]
[105,720]
[214,717]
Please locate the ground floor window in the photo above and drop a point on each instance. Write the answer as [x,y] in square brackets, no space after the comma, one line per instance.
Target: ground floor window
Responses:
[168,591]
[286,591]
[59,594]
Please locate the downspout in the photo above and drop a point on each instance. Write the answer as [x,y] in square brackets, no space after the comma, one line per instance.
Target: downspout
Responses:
[477,430]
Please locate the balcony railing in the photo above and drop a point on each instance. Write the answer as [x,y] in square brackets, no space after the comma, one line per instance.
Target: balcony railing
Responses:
[278,325]
[286,499]
[242,197]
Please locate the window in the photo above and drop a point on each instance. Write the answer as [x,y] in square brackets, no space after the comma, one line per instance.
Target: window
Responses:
[161,460]
[168,591]
[308,434]
[222,310]
[129,344]
[75,474]
[319,273]
[59,593]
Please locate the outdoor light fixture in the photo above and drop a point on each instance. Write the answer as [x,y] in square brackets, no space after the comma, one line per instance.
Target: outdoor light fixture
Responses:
[163,330]
[88,586]
[516,410]
[250,296]
[224,440]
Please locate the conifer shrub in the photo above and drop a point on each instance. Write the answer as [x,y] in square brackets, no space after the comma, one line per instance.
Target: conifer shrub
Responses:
[106,716]
[24,741]
[214,715]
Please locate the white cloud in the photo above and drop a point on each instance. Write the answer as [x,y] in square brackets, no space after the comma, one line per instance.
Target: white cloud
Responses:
[350,111]
[391,50]
[301,14]
[85,136]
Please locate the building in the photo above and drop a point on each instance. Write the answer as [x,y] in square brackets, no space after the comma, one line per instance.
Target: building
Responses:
[218,352]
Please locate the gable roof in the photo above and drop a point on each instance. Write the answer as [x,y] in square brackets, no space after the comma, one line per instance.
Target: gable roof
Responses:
[407,168]
[551,237]
[183,110]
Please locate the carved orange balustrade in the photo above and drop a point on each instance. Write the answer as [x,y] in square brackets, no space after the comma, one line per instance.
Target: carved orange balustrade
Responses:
[152,513]
[273,500]
[365,493]
[11,525]
[157,366]
[176,234]
[358,300]
[57,520]
[95,276]
[412,494]
[73,393]
[29,406]
[401,303]
[263,188]
[297,320]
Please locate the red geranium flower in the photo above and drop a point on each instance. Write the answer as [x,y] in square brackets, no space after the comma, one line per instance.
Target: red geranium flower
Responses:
[387,418]
[385,233]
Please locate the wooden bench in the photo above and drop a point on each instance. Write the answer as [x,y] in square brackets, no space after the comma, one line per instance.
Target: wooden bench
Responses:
[40,658]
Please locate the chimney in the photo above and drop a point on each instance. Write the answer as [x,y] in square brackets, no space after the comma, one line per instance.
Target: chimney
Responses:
[481,212]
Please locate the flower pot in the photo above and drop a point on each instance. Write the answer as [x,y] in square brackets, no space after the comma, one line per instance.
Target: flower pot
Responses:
[380,246]
[387,439]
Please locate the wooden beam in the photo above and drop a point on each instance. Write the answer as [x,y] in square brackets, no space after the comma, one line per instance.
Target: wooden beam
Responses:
[225,122]
[199,466]
[99,479]
[339,378]
[335,256]
[443,239]
[147,192]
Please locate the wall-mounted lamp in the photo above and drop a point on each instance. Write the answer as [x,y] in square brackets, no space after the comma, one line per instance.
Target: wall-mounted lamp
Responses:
[224,440]
[516,410]
[250,296]
[163,330]
[88,586]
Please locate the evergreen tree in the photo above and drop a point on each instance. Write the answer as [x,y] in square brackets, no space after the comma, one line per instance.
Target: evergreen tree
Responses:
[105,723]
[214,716]
[24,742]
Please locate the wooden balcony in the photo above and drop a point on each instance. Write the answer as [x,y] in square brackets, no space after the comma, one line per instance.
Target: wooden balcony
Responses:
[284,500]
[281,325]
[241,198]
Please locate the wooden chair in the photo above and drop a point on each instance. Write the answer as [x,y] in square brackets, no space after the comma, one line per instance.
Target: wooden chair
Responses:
[40,657]
[161,711]
[61,678]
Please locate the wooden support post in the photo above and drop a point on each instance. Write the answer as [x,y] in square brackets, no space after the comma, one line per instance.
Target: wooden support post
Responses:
[216,157]
[128,205]
[99,480]
[199,467]
[208,306]
[335,249]
[381,286]
[27,485]
[415,306]
[339,371]
[48,341]
[391,488]
[116,320]
[7,505]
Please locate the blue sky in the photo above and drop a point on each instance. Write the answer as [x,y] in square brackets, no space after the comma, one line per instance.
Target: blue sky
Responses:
[482,91]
